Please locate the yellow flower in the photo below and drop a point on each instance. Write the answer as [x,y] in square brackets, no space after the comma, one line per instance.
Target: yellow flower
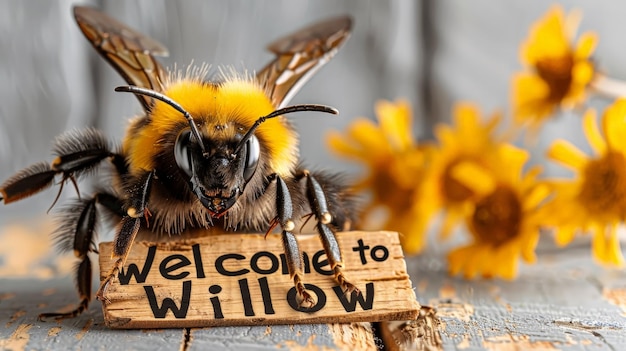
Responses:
[395,165]
[504,220]
[558,73]
[595,200]
[467,142]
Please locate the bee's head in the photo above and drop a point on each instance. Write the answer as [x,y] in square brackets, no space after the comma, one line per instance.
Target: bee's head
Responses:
[218,169]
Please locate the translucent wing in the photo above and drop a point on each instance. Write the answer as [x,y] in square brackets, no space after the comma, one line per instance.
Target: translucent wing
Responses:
[128,51]
[300,55]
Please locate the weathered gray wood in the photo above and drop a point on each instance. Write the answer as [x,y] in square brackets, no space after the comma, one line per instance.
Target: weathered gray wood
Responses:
[307,337]
[22,300]
[565,302]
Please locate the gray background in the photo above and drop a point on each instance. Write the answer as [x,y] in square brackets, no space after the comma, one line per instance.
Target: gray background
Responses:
[432,52]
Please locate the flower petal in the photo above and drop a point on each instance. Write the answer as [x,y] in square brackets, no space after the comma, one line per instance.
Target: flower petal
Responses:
[450,221]
[529,246]
[536,196]
[530,98]
[413,228]
[614,125]
[606,247]
[514,158]
[567,154]
[338,143]
[586,45]
[473,176]
[396,123]
[564,234]
[457,259]
[547,38]
[590,126]
[582,74]
[507,259]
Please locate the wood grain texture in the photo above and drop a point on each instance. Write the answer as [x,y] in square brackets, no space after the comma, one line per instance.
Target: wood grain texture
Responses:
[377,268]
[564,302]
[22,300]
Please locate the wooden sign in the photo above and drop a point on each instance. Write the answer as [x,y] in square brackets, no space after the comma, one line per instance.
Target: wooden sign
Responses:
[242,279]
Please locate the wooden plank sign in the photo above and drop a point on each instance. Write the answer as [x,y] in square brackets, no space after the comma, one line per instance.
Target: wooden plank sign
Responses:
[242,279]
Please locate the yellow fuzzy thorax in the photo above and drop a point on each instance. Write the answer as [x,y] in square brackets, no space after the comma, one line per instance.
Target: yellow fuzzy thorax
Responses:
[218,110]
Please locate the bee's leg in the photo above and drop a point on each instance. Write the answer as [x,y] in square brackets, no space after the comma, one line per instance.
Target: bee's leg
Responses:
[319,205]
[284,207]
[27,182]
[129,227]
[77,233]
[77,153]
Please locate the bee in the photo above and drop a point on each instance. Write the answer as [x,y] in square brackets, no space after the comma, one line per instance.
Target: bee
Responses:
[204,155]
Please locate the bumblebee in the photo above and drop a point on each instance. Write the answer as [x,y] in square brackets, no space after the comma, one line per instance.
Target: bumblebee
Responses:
[204,155]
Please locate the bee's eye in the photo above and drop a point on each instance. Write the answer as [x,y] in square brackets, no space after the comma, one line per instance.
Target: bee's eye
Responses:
[181,152]
[253,150]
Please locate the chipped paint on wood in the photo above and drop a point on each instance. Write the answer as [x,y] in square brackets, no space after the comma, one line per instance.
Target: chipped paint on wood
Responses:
[356,336]
[54,331]
[616,296]
[453,309]
[18,340]
[510,343]
[85,329]
[415,335]
[14,317]
[564,302]
[295,346]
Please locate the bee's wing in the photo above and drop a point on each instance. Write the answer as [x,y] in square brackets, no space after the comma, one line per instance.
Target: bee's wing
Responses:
[300,55]
[128,51]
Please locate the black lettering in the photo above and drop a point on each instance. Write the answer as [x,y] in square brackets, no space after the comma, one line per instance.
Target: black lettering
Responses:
[382,257]
[265,294]
[197,258]
[254,262]
[165,270]
[321,299]
[124,277]
[168,303]
[215,301]
[307,265]
[245,296]
[219,265]
[319,265]
[365,300]
[361,249]
[283,263]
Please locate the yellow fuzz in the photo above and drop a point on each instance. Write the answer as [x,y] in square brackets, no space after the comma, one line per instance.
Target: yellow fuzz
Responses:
[220,111]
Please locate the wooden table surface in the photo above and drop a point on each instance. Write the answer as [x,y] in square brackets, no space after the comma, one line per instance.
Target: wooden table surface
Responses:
[564,302]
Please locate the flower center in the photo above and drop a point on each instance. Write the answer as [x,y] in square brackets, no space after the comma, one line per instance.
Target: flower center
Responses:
[388,191]
[497,217]
[557,73]
[453,190]
[604,186]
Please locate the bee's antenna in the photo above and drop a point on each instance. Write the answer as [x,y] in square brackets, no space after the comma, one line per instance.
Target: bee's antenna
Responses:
[156,95]
[283,111]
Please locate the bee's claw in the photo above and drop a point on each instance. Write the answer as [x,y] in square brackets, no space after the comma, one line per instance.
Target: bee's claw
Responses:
[306,300]
[348,288]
